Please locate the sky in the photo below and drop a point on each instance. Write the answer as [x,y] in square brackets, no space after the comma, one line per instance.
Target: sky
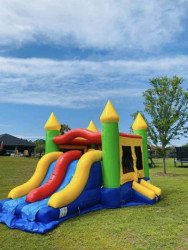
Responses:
[70,56]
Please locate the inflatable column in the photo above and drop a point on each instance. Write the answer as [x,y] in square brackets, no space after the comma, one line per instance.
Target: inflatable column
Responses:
[52,128]
[110,156]
[140,128]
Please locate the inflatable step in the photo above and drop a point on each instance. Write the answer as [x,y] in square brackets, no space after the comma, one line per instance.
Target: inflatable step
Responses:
[143,190]
[148,185]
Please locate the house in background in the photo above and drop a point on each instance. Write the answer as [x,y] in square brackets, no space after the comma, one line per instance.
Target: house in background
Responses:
[11,144]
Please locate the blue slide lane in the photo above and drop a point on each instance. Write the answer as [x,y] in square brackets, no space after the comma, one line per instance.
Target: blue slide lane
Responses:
[10,205]
[88,201]
[29,211]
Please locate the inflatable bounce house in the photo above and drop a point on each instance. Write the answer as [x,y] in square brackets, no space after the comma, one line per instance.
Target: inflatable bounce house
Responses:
[83,170]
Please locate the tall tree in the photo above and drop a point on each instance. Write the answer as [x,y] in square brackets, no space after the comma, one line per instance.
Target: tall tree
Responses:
[64,128]
[166,102]
[40,145]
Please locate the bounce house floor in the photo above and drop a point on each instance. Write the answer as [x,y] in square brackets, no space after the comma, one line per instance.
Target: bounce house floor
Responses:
[17,222]
[12,212]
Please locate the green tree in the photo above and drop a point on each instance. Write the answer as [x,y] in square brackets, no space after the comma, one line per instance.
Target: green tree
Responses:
[64,128]
[40,146]
[166,102]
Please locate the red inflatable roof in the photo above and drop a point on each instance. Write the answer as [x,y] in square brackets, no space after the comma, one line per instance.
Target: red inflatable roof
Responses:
[84,137]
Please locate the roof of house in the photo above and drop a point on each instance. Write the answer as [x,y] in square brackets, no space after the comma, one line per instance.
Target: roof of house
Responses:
[9,140]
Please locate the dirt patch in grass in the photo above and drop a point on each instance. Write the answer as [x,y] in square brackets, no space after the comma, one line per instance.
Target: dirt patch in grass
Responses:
[168,174]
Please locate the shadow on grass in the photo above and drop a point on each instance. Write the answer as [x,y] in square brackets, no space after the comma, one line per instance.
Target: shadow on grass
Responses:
[183,166]
[168,174]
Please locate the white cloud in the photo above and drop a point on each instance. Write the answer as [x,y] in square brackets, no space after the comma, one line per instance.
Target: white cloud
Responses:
[30,137]
[107,24]
[78,84]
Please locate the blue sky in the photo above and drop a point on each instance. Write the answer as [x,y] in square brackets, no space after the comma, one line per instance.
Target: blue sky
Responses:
[71,56]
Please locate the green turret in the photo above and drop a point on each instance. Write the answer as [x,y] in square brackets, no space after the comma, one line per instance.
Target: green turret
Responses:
[52,128]
[140,128]
[110,147]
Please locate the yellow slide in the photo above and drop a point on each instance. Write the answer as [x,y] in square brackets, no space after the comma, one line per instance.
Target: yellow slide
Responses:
[147,189]
[78,181]
[37,178]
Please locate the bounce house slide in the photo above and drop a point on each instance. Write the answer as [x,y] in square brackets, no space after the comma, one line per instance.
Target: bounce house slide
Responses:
[41,175]
[41,210]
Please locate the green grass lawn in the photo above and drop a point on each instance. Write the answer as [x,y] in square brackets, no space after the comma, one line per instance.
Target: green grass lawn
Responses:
[162,226]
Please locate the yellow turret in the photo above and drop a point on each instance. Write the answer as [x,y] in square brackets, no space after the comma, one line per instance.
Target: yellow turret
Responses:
[139,123]
[109,114]
[52,123]
[92,127]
